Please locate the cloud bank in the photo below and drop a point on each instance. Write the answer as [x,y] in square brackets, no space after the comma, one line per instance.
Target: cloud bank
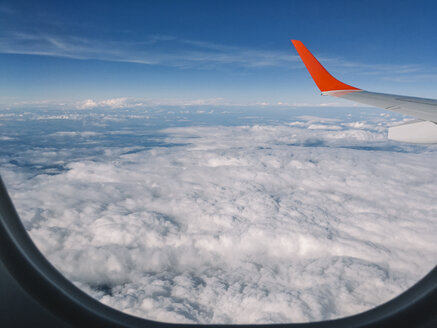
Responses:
[310,219]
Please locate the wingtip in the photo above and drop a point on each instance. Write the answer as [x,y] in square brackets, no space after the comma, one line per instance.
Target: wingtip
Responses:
[322,78]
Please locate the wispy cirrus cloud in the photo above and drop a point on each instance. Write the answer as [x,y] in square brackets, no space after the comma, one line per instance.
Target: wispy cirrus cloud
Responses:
[167,50]
[154,50]
[404,73]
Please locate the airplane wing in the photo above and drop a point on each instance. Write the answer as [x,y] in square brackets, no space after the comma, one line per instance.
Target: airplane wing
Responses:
[423,130]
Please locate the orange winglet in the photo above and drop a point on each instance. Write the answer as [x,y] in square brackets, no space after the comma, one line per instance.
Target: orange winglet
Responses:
[324,80]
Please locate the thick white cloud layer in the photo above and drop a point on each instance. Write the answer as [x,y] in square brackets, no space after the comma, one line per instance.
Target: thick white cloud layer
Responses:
[307,220]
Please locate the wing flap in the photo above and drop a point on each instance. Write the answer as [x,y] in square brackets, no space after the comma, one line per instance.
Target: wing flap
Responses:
[414,132]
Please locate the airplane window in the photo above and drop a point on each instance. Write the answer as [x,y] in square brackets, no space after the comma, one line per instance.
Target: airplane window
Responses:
[174,161]
[255,215]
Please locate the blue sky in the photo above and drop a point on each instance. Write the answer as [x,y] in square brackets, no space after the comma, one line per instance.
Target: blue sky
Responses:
[235,51]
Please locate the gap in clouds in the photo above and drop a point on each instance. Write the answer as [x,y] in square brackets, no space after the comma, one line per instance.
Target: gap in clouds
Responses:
[225,215]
